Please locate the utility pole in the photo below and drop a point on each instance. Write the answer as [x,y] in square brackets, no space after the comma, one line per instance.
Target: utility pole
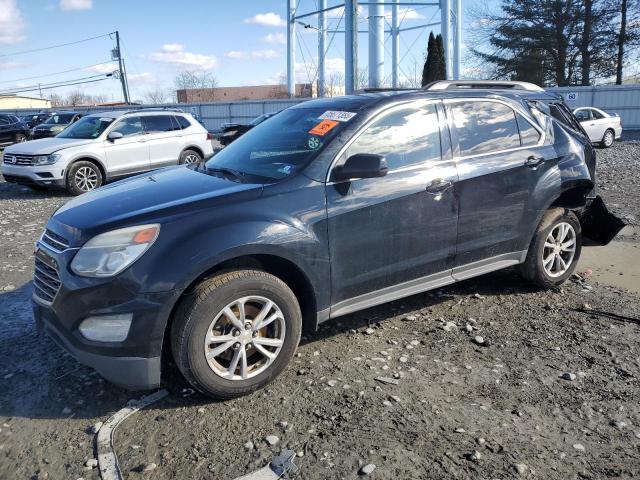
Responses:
[40,88]
[350,45]
[291,51]
[123,79]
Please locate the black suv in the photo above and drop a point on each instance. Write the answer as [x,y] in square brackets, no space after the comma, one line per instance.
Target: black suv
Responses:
[12,130]
[55,124]
[35,119]
[332,206]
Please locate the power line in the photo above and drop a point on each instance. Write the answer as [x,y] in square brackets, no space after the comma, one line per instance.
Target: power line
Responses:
[58,86]
[23,52]
[63,83]
[56,73]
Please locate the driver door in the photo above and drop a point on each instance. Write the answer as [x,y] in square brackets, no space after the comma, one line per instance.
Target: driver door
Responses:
[394,235]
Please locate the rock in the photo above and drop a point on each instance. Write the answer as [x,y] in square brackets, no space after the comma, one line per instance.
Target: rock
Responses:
[449,326]
[478,340]
[618,424]
[201,410]
[91,463]
[302,371]
[481,441]
[369,331]
[568,376]
[272,440]
[283,425]
[367,469]
[468,328]
[478,296]
[149,467]
[248,445]
[409,318]
[403,359]
[387,380]
[460,430]
[387,403]
[9,288]
[521,468]
[95,427]
[579,447]
[332,383]
[474,456]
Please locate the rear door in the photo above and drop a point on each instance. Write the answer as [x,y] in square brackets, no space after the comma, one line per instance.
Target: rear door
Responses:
[130,153]
[164,138]
[391,234]
[501,157]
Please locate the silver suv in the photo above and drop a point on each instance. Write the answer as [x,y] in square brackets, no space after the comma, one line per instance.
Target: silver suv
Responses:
[105,146]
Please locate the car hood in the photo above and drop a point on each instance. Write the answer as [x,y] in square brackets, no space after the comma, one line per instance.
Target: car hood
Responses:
[45,146]
[157,197]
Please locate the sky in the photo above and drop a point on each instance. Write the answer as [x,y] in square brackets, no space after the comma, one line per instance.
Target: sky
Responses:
[241,42]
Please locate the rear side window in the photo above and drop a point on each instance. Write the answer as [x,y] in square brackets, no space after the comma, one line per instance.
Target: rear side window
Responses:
[529,136]
[596,115]
[182,121]
[406,137]
[564,116]
[583,115]
[485,127]
[158,123]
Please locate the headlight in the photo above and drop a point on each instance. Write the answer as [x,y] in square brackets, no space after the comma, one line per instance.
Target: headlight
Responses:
[46,159]
[230,133]
[57,128]
[110,253]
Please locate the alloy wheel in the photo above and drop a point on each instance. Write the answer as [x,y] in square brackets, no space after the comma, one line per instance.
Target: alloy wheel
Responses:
[608,138]
[244,338]
[191,158]
[86,179]
[559,250]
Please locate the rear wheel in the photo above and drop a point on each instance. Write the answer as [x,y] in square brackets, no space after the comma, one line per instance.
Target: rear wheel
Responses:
[21,137]
[608,138]
[82,177]
[189,156]
[555,249]
[236,332]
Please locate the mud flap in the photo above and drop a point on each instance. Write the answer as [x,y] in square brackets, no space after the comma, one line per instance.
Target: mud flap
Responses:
[599,224]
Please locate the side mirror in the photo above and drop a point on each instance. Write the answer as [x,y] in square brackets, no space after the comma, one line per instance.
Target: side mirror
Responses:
[361,165]
[114,136]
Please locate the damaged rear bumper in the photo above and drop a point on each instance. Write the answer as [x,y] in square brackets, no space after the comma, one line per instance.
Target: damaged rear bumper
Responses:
[599,224]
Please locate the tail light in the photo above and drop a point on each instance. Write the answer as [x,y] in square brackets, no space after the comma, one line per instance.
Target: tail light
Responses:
[209,136]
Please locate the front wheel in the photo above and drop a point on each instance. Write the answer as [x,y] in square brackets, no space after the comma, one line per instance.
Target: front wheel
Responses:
[82,177]
[21,137]
[189,156]
[555,249]
[608,138]
[236,332]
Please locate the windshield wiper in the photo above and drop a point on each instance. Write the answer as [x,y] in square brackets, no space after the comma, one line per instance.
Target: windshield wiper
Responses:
[228,172]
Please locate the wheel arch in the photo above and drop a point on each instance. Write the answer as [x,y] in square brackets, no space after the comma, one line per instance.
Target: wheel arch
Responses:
[195,148]
[95,161]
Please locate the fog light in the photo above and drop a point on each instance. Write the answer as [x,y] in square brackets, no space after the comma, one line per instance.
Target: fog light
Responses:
[106,328]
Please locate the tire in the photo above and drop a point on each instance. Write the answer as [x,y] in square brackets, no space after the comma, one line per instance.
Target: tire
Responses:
[21,137]
[200,314]
[608,138]
[189,156]
[38,188]
[533,269]
[82,177]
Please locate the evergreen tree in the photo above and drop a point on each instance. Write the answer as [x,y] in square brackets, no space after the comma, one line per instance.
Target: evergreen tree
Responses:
[440,62]
[434,68]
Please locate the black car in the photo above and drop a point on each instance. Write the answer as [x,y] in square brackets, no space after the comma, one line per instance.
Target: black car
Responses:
[55,124]
[12,130]
[332,206]
[231,131]
[34,119]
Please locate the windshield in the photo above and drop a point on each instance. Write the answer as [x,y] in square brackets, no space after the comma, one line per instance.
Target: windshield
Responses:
[260,119]
[282,146]
[87,127]
[59,119]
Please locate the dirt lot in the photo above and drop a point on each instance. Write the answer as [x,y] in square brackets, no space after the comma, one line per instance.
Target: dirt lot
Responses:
[461,409]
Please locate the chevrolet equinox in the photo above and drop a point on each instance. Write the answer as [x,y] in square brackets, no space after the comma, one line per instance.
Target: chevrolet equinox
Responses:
[329,207]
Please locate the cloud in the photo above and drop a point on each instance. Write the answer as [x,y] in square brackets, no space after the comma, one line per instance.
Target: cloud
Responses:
[269,19]
[10,65]
[275,39]
[12,24]
[406,14]
[255,54]
[140,78]
[174,55]
[102,68]
[69,5]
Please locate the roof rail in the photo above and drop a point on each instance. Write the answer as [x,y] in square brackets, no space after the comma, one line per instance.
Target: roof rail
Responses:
[388,89]
[484,84]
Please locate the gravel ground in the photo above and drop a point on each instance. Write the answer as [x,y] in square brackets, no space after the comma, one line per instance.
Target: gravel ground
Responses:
[463,407]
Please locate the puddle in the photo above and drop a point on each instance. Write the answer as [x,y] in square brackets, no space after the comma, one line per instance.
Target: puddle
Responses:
[617,264]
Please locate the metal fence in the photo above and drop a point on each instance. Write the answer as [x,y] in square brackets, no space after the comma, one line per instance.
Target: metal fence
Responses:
[621,99]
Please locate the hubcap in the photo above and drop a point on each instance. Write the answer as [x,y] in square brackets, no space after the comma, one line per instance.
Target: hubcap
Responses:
[608,138]
[244,338]
[191,158]
[559,250]
[86,179]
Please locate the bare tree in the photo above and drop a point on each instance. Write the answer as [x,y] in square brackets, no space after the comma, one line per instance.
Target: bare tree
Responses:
[56,100]
[334,85]
[157,96]
[191,79]
[78,97]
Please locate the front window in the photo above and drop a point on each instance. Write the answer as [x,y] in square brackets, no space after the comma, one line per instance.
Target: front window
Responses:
[282,146]
[128,126]
[87,128]
[59,119]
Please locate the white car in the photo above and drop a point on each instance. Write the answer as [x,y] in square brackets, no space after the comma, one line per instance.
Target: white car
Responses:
[601,127]
[105,146]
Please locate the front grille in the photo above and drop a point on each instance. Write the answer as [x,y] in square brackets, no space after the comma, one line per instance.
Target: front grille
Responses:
[55,241]
[46,281]
[18,160]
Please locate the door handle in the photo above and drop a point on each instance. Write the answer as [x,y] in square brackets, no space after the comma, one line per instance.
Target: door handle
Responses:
[142,140]
[438,186]
[533,161]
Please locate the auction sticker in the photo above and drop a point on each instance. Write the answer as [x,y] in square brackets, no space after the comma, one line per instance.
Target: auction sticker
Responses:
[324,127]
[337,115]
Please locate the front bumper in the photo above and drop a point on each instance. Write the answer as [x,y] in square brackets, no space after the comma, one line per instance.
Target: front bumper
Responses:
[133,363]
[45,175]
[35,134]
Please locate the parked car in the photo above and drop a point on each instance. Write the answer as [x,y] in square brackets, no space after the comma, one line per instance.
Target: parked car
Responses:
[12,130]
[105,146]
[55,124]
[601,127]
[34,119]
[231,131]
[332,206]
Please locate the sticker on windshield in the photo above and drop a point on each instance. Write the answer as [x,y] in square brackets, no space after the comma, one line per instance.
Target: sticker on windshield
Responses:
[286,169]
[324,127]
[313,143]
[337,115]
